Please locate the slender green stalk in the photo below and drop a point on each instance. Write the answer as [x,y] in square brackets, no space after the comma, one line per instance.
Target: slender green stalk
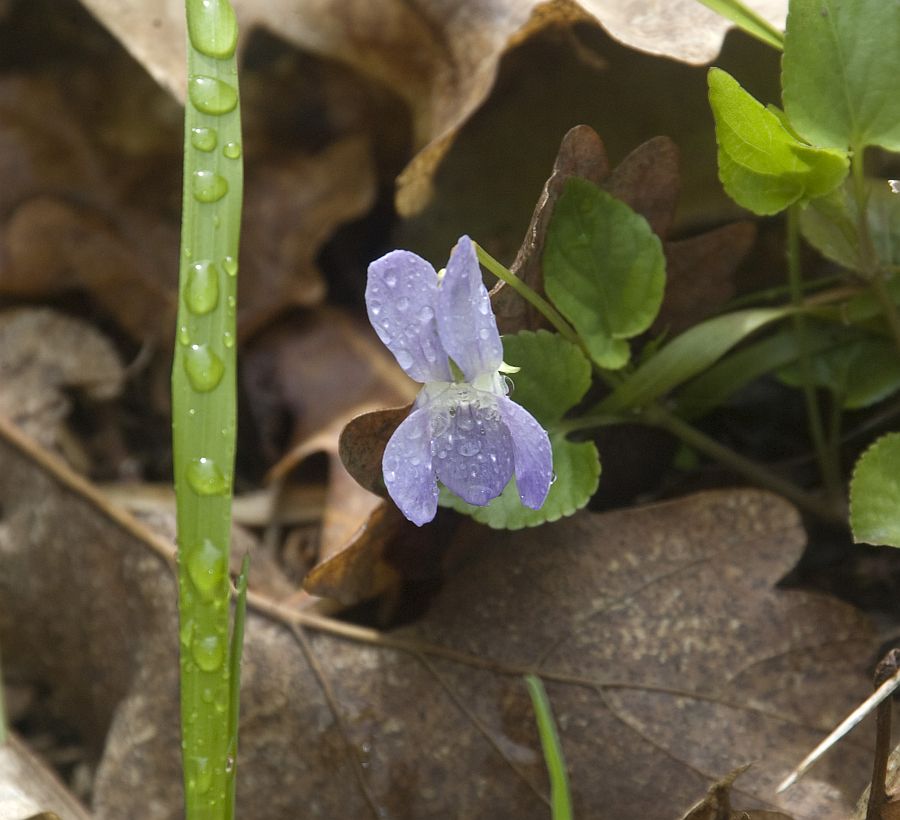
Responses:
[203,403]
[747,20]
[828,466]
[560,799]
[234,694]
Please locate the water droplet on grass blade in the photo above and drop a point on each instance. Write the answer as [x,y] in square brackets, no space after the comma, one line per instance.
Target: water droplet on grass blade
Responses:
[211,95]
[231,266]
[212,28]
[208,186]
[207,568]
[232,150]
[203,367]
[202,292]
[208,652]
[205,478]
[204,139]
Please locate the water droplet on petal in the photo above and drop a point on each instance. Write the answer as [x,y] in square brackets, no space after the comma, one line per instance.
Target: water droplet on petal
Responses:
[469,447]
[426,314]
[404,358]
[402,303]
[553,478]
[484,307]
[484,333]
[390,280]
[374,307]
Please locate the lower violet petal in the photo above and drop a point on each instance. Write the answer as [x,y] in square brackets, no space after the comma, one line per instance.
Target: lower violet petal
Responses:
[408,470]
[473,450]
[533,457]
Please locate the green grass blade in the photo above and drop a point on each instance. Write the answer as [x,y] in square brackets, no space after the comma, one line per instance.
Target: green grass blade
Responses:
[203,399]
[560,798]
[234,695]
[747,20]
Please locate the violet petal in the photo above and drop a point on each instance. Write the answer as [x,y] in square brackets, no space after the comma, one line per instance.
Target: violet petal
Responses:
[465,320]
[473,450]
[408,469]
[531,448]
[401,300]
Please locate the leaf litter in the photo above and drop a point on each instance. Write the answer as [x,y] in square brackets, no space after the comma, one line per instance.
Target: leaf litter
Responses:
[669,656]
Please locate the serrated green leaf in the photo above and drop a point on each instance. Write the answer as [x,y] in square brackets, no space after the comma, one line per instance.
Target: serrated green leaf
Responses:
[762,165]
[839,72]
[686,356]
[604,269]
[554,377]
[577,466]
[875,493]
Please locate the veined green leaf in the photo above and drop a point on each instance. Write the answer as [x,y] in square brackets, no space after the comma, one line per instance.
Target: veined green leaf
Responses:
[604,269]
[839,72]
[875,493]
[762,165]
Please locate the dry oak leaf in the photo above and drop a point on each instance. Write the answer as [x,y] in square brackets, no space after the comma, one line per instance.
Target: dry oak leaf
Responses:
[668,657]
[43,354]
[440,56]
[699,269]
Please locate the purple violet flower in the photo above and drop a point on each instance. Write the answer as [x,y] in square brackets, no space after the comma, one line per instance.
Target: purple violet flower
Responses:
[465,432]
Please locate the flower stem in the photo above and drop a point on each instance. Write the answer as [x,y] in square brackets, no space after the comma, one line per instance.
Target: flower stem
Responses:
[538,302]
[825,455]
[204,403]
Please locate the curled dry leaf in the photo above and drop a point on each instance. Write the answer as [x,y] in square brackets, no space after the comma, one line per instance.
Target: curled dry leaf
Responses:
[28,787]
[668,656]
[43,354]
[441,57]
[700,270]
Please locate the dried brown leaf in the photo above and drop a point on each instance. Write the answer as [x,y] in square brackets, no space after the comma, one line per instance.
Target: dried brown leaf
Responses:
[668,657]
[43,354]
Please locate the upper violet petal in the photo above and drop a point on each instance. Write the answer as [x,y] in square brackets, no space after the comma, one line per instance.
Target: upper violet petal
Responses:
[531,448]
[401,299]
[465,320]
[473,450]
[408,469]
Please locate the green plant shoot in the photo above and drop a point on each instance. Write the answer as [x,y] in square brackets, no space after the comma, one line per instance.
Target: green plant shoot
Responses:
[560,798]
[203,404]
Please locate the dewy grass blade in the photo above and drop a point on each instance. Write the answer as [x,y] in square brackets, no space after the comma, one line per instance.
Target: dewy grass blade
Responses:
[556,765]
[234,695]
[203,401]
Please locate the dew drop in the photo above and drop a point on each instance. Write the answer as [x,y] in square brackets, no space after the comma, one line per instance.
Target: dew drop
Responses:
[231,266]
[229,764]
[390,280]
[415,461]
[204,368]
[404,358]
[211,95]
[203,773]
[208,568]
[201,294]
[204,139]
[208,652]
[469,447]
[186,632]
[207,695]
[483,334]
[484,307]
[232,150]
[228,339]
[553,478]
[212,28]
[205,478]
[184,335]
[375,307]
[208,186]
[426,314]
[403,303]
